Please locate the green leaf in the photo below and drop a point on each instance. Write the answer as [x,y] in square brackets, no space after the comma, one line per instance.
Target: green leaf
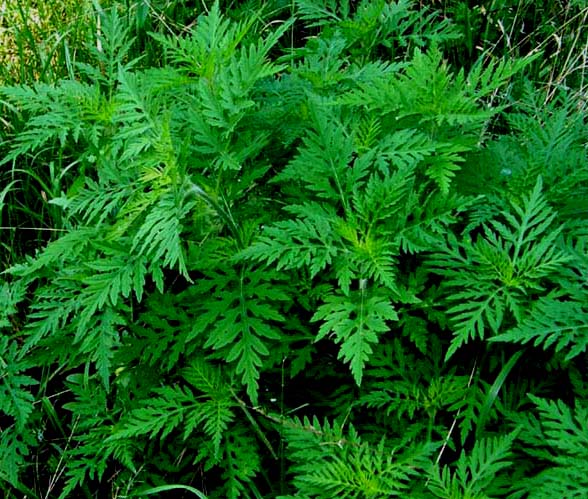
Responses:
[494,275]
[475,473]
[16,399]
[552,321]
[239,319]
[294,244]
[356,322]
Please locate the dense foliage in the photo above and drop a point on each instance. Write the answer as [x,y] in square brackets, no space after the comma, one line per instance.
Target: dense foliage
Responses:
[306,249]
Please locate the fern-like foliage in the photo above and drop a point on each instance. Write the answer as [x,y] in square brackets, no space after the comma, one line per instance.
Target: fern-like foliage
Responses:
[260,253]
[241,320]
[558,438]
[444,106]
[392,25]
[364,210]
[130,203]
[494,275]
[88,435]
[171,407]
[476,475]
[355,322]
[412,395]
[15,391]
[329,461]
[48,124]
[552,321]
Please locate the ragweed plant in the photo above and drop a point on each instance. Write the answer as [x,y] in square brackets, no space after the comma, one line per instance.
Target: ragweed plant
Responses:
[302,258]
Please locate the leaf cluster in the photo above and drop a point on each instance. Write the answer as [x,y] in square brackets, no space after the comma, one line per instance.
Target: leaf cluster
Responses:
[303,258]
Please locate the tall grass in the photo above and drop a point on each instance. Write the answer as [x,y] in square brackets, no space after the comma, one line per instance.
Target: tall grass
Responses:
[39,41]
